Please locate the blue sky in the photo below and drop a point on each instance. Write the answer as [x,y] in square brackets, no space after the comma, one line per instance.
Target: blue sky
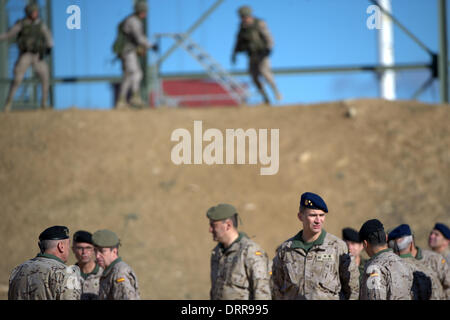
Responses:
[307,33]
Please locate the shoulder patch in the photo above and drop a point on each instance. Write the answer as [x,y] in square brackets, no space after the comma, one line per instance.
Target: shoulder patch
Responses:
[443,261]
[374,274]
[258,253]
[120,280]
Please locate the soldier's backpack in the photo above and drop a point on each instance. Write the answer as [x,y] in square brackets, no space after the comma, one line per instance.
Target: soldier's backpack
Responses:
[121,39]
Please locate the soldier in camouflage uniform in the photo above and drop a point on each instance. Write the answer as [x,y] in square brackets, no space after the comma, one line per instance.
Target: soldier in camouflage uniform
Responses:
[255,39]
[240,268]
[118,281]
[386,276]
[90,270]
[436,263]
[426,285]
[355,247]
[131,42]
[47,277]
[314,264]
[34,41]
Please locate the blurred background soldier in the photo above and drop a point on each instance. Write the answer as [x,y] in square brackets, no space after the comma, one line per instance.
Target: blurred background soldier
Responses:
[386,276]
[439,240]
[314,264]
[255,39]
[131,42]
[426,283]
[355,247]
[47,277]
[34,41]
[118,281]
[90,271]
[240,268]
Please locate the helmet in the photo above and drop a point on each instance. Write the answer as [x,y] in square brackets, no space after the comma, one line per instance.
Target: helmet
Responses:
[141,6]
[29,9]
[245,11]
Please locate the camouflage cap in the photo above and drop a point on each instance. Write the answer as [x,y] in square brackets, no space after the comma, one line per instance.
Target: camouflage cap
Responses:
[221,212]
[105,239]
[245,11]
[141,6]
[30,8]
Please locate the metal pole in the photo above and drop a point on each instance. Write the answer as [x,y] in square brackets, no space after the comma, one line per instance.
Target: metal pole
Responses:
[443,55]
[386,52]
[3,52]
[48,7]
[191,29]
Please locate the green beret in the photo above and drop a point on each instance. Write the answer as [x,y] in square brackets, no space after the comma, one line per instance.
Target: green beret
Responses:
[141,6]
[105,239]
[245,11]
[54,233]
[221,212]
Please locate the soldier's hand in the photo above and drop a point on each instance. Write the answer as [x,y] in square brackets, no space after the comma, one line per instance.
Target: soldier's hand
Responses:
[155,47]
[140,51]
[48,51]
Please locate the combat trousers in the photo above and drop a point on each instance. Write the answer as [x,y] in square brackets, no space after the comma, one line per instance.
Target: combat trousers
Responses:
[132,74]
[39,67]
[259,65]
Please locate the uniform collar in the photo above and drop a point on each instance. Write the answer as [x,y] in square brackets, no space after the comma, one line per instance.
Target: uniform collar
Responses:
[382,251]
[298,241]
[49,256]
[85,275]
[406,255]
[238,239]
[419,255]
[108,268]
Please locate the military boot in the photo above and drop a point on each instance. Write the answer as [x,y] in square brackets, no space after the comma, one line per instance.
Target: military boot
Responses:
[7,107]
[121,104]
[137,102]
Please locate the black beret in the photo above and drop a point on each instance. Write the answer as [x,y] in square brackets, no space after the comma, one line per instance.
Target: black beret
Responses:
[369,227]
[82,236]
[54,233]
[401,231]
[443,229]
[313,201]
[350,234]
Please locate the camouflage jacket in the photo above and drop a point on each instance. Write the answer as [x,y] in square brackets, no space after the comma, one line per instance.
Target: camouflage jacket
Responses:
[254,39]
[45,277]
[119,282]
[324,272]
[426,285]
[91,283]
[438,264]
[240,272]
[386,277]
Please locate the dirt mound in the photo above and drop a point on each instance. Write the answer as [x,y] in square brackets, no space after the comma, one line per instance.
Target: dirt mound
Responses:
[112,169]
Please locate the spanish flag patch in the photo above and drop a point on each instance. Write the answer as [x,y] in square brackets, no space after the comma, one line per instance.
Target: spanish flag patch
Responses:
[120,280]
[258,253]
[374,275]
[443,261]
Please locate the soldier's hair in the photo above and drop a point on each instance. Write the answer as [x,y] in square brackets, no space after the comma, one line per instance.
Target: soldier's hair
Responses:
[44,245]
[404,242]
[377,238]
[234,220]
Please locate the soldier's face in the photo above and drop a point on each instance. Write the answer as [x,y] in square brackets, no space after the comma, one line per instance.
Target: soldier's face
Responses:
[218,229]
[105,256]
[312,220]
[354,248]
[84,252]
[436,239]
